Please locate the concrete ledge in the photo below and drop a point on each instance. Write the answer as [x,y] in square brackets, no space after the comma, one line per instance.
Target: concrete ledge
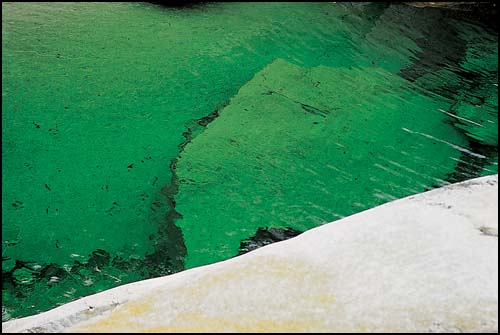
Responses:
[424,263]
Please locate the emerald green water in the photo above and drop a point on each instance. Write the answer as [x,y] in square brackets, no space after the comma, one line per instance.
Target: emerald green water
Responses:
[139,141]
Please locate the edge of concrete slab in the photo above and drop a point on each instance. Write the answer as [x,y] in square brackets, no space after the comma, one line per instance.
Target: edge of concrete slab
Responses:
[424,263]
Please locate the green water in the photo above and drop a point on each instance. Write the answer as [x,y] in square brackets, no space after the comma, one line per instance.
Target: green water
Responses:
[139,141]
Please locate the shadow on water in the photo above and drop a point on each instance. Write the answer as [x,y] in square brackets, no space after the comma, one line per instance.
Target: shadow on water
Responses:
[441,46]
[178,4]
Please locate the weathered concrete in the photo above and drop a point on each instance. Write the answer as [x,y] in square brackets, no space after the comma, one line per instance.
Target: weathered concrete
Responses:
[424,263]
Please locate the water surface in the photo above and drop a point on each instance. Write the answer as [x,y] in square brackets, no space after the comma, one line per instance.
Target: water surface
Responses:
[139,140]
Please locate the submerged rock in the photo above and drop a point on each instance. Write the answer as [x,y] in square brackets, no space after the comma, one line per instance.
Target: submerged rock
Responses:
[298,147]
[265,236]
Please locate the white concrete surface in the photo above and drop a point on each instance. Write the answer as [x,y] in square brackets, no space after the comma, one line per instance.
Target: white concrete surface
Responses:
[424,263]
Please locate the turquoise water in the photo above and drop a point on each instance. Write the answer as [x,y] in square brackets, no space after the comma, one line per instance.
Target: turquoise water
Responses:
[139,140]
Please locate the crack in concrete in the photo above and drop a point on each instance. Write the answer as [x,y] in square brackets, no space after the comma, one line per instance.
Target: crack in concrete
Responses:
[488,231]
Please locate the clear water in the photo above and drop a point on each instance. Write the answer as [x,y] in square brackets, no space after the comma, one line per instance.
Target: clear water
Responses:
[139,141]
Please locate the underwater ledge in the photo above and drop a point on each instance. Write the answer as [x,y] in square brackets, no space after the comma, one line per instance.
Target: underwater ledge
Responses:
[424,263]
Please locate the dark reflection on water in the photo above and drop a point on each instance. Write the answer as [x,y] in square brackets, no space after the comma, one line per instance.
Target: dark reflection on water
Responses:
[442,47]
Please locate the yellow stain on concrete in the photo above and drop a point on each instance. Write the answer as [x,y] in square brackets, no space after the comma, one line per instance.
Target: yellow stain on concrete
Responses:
[245,297]
[201,324]
[290,292]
